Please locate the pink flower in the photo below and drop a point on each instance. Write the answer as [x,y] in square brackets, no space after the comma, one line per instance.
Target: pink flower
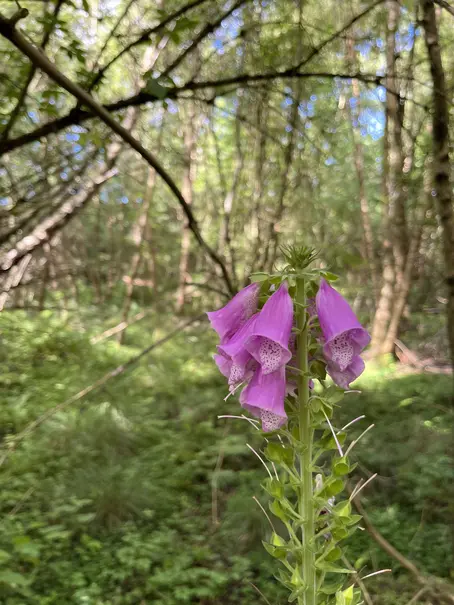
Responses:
[269,342]
[343,335]
[229,319]
[264,398]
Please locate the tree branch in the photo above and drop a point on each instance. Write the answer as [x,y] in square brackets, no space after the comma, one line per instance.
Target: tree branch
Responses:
[444,4]
[23,95]
[144,37]
[38,58]
[78,116]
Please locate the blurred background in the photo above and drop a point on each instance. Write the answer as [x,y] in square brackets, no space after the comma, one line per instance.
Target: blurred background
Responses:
[319,123]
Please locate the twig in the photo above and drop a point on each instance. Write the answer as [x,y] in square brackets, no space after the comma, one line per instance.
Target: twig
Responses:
[18,506]
[11,446]
[415,598]
[118,328]
[259,592]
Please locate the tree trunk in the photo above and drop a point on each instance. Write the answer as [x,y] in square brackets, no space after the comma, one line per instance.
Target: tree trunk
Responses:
[186,190]
[406,278]
[358,158]
[395,245]
[441,166]
[141,228]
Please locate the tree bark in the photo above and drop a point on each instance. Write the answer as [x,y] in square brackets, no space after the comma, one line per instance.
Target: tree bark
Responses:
[358,158]
[141,227]
[441,165]
[395,239]
[187,191]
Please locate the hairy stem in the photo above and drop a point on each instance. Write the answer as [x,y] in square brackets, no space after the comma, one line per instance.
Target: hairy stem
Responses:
[306,507]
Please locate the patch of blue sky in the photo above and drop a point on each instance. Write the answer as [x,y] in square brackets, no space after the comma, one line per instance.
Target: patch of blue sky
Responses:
[171,106]
[70,136]
[306,109]
[33,116]
[330,161]
[372,123]
[406,39]
[77,148]
[4,201]
[124,199]
[364,47]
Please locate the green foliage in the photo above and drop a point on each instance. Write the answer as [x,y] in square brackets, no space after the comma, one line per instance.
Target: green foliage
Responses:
[116,500]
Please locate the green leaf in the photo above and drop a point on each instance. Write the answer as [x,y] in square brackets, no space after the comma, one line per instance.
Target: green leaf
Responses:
[274,488]
[4,556]
[278,511]
[12,578]
[329,276]
[331,567]
[259,276]
[341,466]
[334,554]
[343,509]
[332,587]
[277,553]
[156,90]
[86,6]
[278,453]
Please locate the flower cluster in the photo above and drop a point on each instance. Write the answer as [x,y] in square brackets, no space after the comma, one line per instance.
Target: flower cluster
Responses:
[254,351]
[257,348]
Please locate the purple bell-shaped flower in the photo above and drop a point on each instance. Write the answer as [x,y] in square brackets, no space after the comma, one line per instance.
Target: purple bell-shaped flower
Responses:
[343,335]
[264,398]
[241,362]
[269,342]
[228,320]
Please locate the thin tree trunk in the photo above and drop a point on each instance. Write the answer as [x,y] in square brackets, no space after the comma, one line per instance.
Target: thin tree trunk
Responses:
[142,223]
[394,236]
[225,241]
[441,165]
[358,158]
[253,230]
[406,278]
[187,191]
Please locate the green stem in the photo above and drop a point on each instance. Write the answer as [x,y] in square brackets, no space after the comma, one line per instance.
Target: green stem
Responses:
[306,506]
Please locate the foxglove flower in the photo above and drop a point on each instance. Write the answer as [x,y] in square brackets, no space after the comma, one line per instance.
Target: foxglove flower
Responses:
[269,342]
[264,398]
[235,359]
[228,320]
[343,335]
[351,372]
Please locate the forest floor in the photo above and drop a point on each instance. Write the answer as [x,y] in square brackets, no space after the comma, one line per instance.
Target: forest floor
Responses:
[137,493]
